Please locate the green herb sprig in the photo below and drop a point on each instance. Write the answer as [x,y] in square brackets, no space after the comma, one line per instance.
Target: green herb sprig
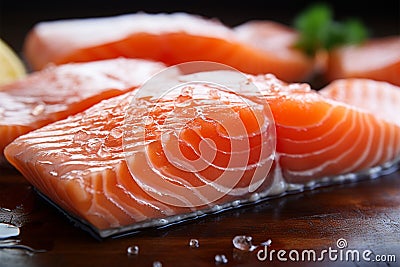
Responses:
[318,30]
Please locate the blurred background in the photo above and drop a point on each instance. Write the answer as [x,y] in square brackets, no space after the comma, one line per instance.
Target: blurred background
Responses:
[18,17]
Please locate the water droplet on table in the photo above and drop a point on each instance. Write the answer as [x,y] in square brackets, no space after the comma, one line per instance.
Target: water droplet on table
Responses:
[194,243]
[157,264]
[132,250]
[266,243]
[8,230]
[243,242]
[16,245]
[220,258]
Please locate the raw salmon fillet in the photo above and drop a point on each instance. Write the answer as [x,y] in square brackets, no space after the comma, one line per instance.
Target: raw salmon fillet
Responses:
[57,92]
[254,47]
[377,59]
[82,164]
[367,94]
[349,126]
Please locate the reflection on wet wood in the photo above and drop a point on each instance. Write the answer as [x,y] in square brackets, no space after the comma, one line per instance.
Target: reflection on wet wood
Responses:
[365,214]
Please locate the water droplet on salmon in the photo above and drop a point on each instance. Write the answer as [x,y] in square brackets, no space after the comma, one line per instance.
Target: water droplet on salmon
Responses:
[132,250]
[103,153]
[37,110]
[185,97]
[199,111]
[199,213]
[157,264]
[105,115]
[81,136]
[54,173]
[236,203]
[214,94]
[181,102]
[116,132]
[299,87]
[187,91]
[8,230]
[93,145]
[147,120]
[194,243]
[243,242]
[216,208]
[220,259]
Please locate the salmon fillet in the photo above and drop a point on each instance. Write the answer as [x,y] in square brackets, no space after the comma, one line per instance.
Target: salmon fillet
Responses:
[377,59]
[57,92]
[255,47]
[337,130]
[84,165]
[366,94]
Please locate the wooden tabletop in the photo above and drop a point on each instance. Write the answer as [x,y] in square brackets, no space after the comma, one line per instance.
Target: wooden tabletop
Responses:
[365,214]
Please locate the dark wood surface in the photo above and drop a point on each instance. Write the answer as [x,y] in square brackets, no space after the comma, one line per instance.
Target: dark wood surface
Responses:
[366,214]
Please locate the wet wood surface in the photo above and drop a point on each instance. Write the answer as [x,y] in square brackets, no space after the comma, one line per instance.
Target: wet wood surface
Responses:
[366,214]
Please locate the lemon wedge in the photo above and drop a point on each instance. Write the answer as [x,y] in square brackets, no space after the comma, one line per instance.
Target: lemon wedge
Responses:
[11,66]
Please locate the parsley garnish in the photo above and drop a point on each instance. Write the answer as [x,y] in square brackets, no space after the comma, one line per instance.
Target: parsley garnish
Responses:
[318,30]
